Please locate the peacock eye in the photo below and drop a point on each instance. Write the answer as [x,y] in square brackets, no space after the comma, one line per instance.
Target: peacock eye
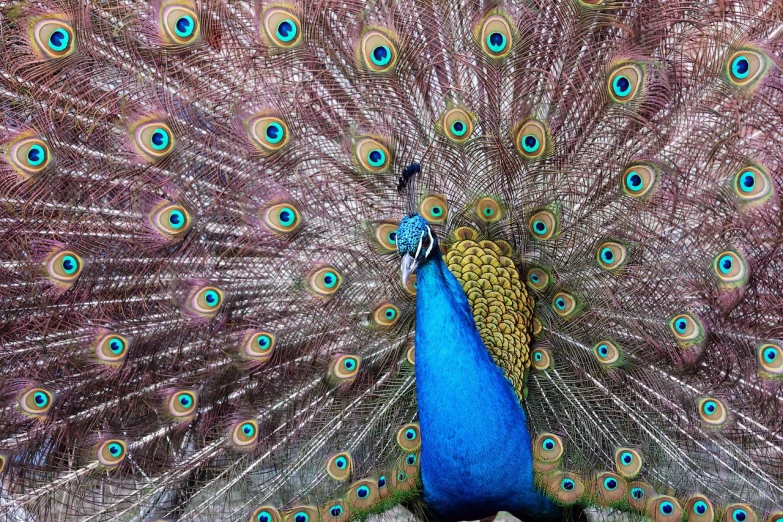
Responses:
[363,492]
[182,404]
[282,27]
[752,185]
[543,224]
[639,180]
[637,493]
[171,220]
[382,481]
[713,412]
[541,359]
[531,139]
[378,52]
[339,466]
[301,516]
[36,401]
[267,133]
[740,513]
[372,155]
[258,346]
[624,82]
[111,349]
[434,208]
[244,434]
[410,459]
[564,304]
[548,448]
[282,218]
[111,452]
[53,38]
[386,236]
[457,124]
[746,67]
[730,268]
[606,352]
[325,281]
[64,267]
[666,508]
[207,301]
[771,358]
[567,484]
[700,507]
[344,368]
[153,141]
[628,462]
[686,328]
[488,210]
[385,315]
[179,24]
[538,279]
[494,35]
[611,255]
[29,156]
[266,514]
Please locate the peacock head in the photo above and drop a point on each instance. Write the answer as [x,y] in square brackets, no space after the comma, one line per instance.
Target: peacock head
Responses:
[415,243]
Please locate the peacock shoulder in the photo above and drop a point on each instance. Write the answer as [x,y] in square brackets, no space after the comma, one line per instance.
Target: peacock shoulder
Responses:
[501,306]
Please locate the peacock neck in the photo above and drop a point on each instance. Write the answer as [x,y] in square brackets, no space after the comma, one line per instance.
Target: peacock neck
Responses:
[476,456]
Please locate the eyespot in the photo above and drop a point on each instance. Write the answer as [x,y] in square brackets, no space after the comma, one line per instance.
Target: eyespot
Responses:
[282,218]
[607,353]
[664,508]
[537,326]
[457,124]
[171,220]
[731,269]
[541,360]
[64,267]
[538,279]
[344,368]
[628,462]
[610,488]
[567,488]
[335,510]
[244,433]
[624,82]
[739,513]
[548,448]
[179,24]
[28,156]
[302,514]
[611,255]
[410,355]
[372,155]
[377,51]
[564,304]
[182,404]
[434,209]
[364,493]
[700,509]
[53,38]
[111,349]
[543,224]
[488,210]
[259,345]
[282,28]
[36,402]
[386,236]
[409,437]
[381,482]
[112,452]
[207,301]
[153,140]
[745,67]
[386,315]
[531,139]
[639,180]
[687,329]
[637,495]
[752,185]
[267,133]
[495,36]
[266,514]
[325,281]
[339,466]
[770,356]
[713,412]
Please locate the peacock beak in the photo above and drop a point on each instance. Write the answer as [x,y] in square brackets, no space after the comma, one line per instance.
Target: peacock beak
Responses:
[407,267]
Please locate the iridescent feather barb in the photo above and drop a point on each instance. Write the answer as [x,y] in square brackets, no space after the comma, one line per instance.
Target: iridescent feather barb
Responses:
[201,314]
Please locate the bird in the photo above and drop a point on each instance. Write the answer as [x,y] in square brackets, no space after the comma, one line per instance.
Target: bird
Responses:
[304,261]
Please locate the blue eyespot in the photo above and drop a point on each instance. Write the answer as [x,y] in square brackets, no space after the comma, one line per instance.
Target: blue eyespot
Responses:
[364,491]
[212,298]
[535,278]
[740,67]
[115,449]
[700,507]
[376,157]
[548,444]
[185,400]
[436,211]
[264,516]
[36,155]
[341,463]
[287,216]
[301,517]
[770,354]
[621,86]
[40,399]
[634,181]
[740,515]
[637,493]
[59,40]
[724,264]
[264,341]
[349,364]
[184,26]
[626,458]
[710,407]
[410,434]
[567,484]
[160,139]
[382,481]
[537,356]
[411,460]
[610,484]
[560,303]
[681,325]
[540,227]
[603,351]
[248,429]
[607,255]
[70,265]
[496,42]
[336,511]
[330,279]
[530,143]
[747,181]
[176,219]
[274,132]
[458,128]
[116,345]
[286,31]
[381,55]
[666,508]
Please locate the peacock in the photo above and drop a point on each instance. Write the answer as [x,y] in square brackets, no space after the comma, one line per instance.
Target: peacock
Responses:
[334,260]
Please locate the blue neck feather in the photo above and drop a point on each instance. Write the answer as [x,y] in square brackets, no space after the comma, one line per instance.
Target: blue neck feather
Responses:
[476,456]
